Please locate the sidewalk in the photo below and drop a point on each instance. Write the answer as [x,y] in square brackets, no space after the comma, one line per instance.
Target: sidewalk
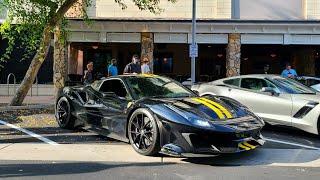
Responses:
[76,152]
[30,100]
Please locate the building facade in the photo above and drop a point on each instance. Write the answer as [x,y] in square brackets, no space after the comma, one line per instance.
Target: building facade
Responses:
[234,37]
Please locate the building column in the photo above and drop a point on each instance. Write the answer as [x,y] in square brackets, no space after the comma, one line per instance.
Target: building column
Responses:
[233,55]
[72,60]
[60,64]
[147,48]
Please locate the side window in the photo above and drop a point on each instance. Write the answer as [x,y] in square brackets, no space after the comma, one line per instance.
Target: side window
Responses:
[254,84]
[115,86]
[233,82]
[313,82]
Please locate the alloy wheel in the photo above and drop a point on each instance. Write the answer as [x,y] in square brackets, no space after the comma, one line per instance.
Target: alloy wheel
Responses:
[142,132]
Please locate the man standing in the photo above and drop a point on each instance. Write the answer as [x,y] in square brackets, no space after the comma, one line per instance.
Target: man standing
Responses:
[112,68]
[88,74]
[289,72]
[133,67]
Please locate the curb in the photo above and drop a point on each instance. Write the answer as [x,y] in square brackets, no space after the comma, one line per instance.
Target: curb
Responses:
[26,107]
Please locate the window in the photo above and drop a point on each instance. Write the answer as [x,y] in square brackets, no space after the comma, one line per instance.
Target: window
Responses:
[313,9]
[291,86]
[157,87]
[311,82]
[3,12]
[115,86]
[255,84]
[233,82]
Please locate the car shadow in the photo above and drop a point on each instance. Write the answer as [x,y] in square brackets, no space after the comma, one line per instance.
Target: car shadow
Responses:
[291,134]
[56,134]
[288,157]
[10,169]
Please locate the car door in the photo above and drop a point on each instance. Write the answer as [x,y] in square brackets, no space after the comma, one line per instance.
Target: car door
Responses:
[274,108]
[117,100]
[93,108]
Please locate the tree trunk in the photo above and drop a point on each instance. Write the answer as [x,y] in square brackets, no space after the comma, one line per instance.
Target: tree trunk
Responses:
[56,16]
[60,65]
[33,68]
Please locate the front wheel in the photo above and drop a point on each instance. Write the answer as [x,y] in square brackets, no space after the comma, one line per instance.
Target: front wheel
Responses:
[143,132]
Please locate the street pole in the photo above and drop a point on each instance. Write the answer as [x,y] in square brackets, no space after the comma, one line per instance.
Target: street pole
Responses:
[193,58]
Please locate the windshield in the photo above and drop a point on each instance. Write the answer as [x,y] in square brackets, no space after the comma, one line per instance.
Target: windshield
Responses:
[156,86]
[292,87]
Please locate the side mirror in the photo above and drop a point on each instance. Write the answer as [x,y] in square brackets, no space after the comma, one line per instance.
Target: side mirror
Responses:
[270,90]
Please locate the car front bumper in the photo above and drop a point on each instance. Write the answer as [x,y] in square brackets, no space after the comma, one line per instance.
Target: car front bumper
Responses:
[177,139]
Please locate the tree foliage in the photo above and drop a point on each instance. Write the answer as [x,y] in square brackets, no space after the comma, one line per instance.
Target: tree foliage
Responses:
[27,19]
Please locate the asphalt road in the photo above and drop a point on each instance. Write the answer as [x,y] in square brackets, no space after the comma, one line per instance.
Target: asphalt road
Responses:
[83,170]
[262,163]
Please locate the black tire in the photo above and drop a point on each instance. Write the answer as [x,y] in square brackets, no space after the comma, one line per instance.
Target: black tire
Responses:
[63,114]
[143,132]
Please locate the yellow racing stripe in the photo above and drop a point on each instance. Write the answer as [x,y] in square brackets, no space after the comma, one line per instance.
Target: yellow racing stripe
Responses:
[243,146]
[148,75]
[249,145]
[216,110]
[223,109]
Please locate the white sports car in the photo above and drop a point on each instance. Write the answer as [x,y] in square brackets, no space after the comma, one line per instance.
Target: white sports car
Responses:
[276,99]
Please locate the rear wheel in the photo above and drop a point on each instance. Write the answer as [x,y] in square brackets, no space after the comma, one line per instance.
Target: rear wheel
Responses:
[143,133]
[63,114]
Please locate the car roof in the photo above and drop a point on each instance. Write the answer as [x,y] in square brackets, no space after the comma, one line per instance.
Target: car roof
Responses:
[310,77]
[269,76]
[123,76]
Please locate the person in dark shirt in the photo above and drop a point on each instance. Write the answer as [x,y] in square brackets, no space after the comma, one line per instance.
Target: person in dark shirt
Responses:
[88,74]
[133,67]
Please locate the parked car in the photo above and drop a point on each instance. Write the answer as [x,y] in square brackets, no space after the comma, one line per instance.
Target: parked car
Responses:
[276,99]
[310,81]
[156,113]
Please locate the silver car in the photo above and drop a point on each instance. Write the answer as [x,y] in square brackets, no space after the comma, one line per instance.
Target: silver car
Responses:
[276,99]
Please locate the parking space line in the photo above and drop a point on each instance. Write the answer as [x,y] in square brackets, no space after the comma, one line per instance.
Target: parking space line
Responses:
[46,140]
[292,144]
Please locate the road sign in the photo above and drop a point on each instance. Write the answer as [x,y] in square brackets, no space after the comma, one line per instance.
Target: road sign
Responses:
[193,50]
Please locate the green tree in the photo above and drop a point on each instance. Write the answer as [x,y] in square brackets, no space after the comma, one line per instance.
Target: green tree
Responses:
[32,23]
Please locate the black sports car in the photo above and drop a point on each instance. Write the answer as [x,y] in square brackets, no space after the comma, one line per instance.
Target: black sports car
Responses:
[157,114]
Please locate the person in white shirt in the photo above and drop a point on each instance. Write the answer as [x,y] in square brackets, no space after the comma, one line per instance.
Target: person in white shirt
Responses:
[145,69]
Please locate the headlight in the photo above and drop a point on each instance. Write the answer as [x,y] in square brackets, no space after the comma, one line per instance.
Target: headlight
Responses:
[201,123]
[194,120]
